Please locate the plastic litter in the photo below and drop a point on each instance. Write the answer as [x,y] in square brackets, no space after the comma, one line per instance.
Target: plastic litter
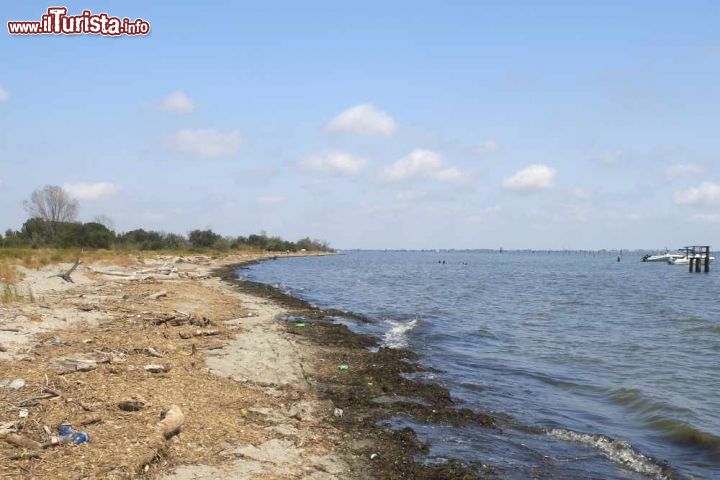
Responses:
[374,456]
[338,412]
[300,324]
[69,435]
[343,367]
[24,413]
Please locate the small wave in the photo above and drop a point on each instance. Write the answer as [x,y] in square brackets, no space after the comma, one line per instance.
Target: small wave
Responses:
[396,337]
[683,434]
[484,333]
[616,450]
[635,400]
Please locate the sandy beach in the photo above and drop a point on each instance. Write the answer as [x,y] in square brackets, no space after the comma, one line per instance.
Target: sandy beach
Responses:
[258,396]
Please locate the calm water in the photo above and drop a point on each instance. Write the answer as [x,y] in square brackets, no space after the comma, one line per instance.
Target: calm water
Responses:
[597,369]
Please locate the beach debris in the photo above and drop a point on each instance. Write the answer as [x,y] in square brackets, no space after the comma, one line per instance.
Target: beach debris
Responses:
[338,412]
[3,348]
[155,368]
[132,404]
[24,413]
[150,351]
[90,421]
[82,362]
[171,421]
[157,295]
[16,384]
[300,324]
[69,435]
[199,333]
[57,340]
[7,427]
[343,367]
[243,411]
[66,275]
[22,442]
[373,456]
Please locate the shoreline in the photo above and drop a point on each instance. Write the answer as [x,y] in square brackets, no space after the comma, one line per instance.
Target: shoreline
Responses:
[372,389]
[260,395]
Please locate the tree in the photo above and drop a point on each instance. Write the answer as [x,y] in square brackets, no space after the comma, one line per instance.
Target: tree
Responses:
[203,238]
[52,204]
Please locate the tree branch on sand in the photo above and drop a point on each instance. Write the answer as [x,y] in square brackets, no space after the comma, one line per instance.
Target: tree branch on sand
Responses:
[66,275]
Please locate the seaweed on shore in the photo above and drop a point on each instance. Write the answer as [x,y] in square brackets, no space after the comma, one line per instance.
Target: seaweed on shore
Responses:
[374,387]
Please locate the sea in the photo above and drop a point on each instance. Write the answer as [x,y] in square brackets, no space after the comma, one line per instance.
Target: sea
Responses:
[595,369]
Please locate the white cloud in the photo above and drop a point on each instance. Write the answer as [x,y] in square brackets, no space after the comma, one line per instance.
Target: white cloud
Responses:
[633,217]
[206,142]
[4,94]
[488,146]
[334,163]
[610,157]
[531,178]
[707,217]
[682,169]
[422,164]
[363,120]
[91,190]
[270,200]
[705,193]
[177,102]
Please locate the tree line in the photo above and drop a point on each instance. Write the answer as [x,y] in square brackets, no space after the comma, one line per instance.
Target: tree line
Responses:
[53,224]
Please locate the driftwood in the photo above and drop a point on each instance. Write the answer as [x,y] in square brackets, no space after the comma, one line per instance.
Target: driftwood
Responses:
[150,351]
[78,363]
[199,333]
[22,442]
[90,421]
[156,295]
[66,275]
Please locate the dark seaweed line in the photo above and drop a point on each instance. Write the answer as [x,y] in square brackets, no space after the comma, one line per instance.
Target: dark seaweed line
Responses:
[385,367]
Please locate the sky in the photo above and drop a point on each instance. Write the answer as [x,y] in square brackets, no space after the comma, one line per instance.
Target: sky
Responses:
[407,124]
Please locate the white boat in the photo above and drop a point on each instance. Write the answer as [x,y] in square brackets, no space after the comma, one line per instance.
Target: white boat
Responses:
[683,260]
[665,257]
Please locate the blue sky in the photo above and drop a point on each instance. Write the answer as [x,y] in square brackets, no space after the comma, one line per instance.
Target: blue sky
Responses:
[522,124]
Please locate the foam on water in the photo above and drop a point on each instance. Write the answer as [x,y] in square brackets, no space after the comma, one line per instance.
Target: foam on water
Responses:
[616,450]
[396,336]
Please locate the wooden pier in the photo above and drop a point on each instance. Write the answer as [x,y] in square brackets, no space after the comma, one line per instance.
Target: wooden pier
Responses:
[699,257]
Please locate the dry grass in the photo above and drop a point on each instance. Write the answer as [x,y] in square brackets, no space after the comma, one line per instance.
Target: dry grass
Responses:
[9,276]
[40,257]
